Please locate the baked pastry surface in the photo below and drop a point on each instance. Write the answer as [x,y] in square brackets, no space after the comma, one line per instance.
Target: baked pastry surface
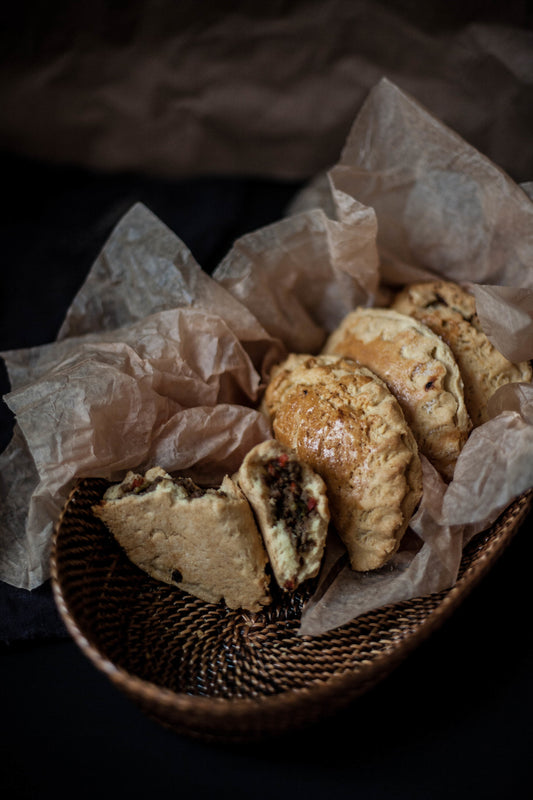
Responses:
[345,423]
[450,311]
[205,542]
[291,508]
[420,370]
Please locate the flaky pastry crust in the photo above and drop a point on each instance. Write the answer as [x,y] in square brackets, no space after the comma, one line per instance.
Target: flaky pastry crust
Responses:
[450,312]
[421,371]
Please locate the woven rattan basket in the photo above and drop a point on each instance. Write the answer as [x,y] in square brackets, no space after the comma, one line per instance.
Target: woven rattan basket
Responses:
[206,671]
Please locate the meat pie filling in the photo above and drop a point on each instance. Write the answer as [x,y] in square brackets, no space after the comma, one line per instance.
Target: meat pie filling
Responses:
[289,503]
[138,484]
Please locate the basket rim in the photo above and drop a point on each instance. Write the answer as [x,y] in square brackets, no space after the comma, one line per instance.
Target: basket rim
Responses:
[352,682]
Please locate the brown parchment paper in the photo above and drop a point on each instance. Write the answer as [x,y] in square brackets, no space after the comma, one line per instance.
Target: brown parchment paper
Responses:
[445,210]
[159,363]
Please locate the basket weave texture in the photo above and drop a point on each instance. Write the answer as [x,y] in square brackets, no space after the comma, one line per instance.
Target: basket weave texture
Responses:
[206,671]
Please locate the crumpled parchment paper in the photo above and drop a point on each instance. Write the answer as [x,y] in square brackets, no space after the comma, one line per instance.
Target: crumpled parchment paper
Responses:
[157,363]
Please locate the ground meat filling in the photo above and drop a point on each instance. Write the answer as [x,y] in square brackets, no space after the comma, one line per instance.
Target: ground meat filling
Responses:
[139,485]
[192,489]
[289,502]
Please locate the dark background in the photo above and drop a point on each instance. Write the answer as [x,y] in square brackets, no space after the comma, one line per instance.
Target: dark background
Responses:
[455,718]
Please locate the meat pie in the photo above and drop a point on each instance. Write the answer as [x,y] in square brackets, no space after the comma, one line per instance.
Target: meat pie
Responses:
[206,542]
[291,507]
